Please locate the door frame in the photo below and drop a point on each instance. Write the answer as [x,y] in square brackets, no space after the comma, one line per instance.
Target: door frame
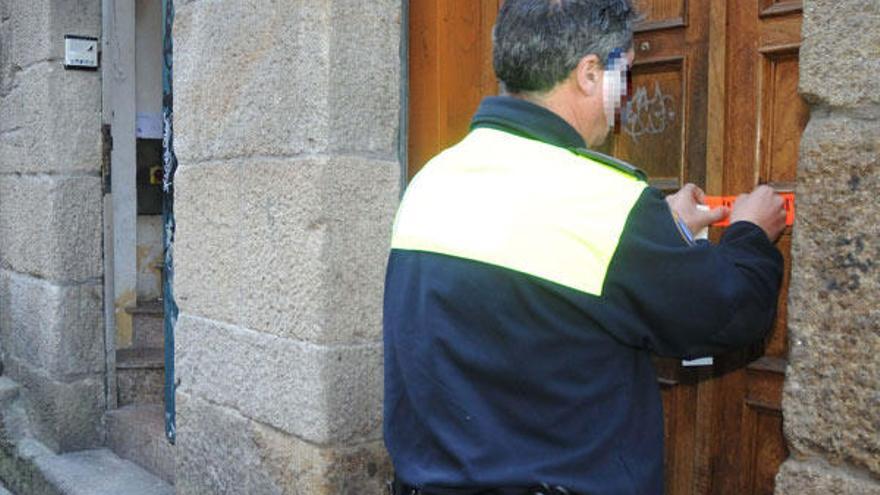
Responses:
[119,170]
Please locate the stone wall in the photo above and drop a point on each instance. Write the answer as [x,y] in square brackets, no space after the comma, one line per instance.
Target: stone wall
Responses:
[286,117]
[51,288]
[832,400]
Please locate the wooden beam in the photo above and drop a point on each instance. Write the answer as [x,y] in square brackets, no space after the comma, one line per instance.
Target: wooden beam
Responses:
[717,97]
[119,89]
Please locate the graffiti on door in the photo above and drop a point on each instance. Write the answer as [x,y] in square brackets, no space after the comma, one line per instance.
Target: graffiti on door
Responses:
[649,115]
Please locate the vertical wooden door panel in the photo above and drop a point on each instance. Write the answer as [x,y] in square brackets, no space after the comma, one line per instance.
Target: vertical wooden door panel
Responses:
[450,60]
[770,8]
[664,133]
[664,129]
[765,117]
[661,14]
[781,111]
[764,446]
[653,134]
[426,109]
[777,343]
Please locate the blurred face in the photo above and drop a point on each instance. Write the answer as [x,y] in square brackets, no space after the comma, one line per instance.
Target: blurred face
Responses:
[591,99]
[616,88]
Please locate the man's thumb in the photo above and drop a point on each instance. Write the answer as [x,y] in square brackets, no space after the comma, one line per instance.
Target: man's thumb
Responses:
[717,214]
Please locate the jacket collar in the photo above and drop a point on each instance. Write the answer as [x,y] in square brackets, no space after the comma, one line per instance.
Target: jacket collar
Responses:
[533,121]
[526,119]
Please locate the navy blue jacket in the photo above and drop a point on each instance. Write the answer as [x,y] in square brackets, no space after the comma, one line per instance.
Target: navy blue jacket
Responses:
[495,377]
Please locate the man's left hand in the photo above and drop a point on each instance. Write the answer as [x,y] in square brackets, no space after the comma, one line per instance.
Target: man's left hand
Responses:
[684,204]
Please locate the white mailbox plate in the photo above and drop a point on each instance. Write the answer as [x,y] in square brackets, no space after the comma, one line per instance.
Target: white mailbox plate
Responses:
[80,52]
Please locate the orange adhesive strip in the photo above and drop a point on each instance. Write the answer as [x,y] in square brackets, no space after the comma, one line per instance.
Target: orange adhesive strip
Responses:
[719,201]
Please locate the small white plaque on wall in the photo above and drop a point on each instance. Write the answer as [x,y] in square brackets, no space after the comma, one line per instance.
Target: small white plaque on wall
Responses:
[80,52]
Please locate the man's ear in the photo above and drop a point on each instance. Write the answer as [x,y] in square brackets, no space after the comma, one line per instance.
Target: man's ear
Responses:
[588,74]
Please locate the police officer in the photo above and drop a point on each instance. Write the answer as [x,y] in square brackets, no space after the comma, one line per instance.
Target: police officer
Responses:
[531,279]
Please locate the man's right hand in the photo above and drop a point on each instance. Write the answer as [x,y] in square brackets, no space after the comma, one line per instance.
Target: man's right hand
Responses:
[764,208]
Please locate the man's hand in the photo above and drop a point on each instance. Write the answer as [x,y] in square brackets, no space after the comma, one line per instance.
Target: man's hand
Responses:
[764,208]
[684,204]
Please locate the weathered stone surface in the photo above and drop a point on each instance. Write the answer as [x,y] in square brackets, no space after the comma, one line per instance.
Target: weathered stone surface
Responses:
[66,416]
[296,248]
[142,385]
[148,325]
[19,471]
[50,226]
[840,54]
[262,77]
[361,199]
[140,375]
[364,77]
[315,244]
[38,27]
[7,70]
[282,241]
[25,35]
[137,433]
[267,461]
[250,78]
[831,397]
[318,393]
[57,328]
[817,478]
[207,242]
[51,121]
[285,232]
[99,472]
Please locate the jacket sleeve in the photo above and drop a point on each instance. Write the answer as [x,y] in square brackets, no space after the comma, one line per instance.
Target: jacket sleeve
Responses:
[685,300]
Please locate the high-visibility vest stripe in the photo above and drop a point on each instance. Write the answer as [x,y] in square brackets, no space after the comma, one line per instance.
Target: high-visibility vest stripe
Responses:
[520,204]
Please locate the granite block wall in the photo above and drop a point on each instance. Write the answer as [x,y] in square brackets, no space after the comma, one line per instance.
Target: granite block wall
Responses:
[831,402]
[286,121]
[51,323]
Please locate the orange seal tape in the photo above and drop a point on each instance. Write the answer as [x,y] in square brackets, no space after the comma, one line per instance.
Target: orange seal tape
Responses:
[718,201]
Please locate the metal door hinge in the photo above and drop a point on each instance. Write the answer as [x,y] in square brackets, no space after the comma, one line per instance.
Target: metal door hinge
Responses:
[106,150]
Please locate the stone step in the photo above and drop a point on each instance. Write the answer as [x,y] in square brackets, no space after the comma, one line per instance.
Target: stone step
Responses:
[137,433]
[14,418]
[148,324]
[140,376]
[8,390]
[34,468]
[99,472]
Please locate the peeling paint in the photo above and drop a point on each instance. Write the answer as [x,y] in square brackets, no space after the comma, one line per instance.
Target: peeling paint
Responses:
[169,161]
[124,321]
[149,260]
[149,257]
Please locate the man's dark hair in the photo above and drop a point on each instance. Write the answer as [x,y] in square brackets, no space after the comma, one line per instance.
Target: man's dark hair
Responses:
[537,43]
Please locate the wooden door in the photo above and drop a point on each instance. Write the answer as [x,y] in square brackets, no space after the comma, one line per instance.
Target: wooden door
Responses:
[715,103]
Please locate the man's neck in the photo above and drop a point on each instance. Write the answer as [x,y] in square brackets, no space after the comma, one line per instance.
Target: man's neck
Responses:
[560,101]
